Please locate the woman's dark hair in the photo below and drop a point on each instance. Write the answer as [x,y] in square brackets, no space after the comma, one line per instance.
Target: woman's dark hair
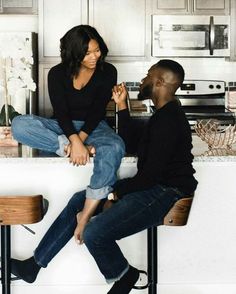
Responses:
[74,46]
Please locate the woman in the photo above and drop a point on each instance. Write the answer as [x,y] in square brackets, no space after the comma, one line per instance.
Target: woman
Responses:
[79,89]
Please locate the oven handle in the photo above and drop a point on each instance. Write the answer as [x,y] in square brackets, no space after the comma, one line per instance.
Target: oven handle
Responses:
[212,35]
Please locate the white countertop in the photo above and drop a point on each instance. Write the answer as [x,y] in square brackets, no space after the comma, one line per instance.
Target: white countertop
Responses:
[25,153]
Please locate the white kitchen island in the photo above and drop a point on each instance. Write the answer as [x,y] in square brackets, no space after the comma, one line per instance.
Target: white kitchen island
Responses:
[199,258]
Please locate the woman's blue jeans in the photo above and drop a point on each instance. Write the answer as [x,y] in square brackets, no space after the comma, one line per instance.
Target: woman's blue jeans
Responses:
[133,213]
[46,134]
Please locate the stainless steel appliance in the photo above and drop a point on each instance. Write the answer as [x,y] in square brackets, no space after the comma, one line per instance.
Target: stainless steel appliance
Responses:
[203,99]
[190,35]
[200,99]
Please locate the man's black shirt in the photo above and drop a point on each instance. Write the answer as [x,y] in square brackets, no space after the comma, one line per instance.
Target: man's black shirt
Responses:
[163,148]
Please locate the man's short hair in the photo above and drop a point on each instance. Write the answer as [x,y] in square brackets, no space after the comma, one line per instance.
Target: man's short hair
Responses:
[173,66]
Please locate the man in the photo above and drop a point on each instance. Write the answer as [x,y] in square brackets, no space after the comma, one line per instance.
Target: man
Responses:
[165,174]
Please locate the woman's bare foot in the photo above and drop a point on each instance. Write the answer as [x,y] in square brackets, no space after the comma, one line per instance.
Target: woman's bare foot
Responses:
[81,223]
[67,150]
[91,150]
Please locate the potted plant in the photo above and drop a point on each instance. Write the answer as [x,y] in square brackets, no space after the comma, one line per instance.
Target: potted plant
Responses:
[16,59]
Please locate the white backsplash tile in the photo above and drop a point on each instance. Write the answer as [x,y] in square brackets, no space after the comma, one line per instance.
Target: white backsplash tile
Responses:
[195,68]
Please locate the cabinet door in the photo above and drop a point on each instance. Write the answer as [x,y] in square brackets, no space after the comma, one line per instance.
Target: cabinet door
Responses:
[56,17]
[18,7]
[207,7]
[211,7]
[233,31]
[45,107]
[123,26]
[171,6]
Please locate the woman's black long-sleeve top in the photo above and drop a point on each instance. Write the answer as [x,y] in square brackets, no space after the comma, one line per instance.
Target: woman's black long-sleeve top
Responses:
[163,148]
[87,104]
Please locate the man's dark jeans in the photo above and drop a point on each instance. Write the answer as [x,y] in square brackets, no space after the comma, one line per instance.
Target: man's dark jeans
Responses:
[133,213]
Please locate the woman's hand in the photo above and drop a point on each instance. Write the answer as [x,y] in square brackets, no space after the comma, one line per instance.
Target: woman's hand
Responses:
[119,95]
[79,154]
[91,150]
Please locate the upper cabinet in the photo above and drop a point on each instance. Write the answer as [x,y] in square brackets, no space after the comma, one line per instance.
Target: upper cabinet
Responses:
[214,7]
[56,17]
[170,6]
[233,31]
[18,6]
[203,7]
[124,25]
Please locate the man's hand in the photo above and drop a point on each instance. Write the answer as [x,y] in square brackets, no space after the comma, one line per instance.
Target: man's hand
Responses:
[119,95]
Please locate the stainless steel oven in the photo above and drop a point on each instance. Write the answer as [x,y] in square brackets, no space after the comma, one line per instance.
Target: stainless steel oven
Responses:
[205,99]
[200,99]
[190,35]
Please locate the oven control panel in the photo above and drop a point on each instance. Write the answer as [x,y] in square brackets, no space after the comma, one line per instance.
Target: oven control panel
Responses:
[201,87]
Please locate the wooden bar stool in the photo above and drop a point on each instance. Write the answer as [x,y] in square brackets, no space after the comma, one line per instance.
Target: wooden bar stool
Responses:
[15,210]
[177,216]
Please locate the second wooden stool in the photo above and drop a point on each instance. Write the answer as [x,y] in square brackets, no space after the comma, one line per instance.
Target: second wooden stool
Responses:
[15,210]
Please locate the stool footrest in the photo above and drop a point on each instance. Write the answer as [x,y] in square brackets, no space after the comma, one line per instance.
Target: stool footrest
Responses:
[144,286]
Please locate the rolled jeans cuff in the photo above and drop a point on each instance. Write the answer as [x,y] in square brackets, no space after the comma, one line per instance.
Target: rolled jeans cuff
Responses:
[98,194]
[63,141]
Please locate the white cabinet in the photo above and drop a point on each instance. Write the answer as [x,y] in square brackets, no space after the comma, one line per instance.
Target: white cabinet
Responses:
[18,6]
[56,17]
[124,25]
[44,107]
[233,31]
[212,7]
[170,6]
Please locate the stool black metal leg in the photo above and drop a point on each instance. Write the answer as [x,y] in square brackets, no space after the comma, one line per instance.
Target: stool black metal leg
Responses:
[5,259]
[152,260]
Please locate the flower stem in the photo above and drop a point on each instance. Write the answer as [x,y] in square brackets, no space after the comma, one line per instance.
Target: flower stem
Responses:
[6,95]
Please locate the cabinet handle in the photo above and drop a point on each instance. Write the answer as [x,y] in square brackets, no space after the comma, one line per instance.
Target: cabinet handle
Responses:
[212,35]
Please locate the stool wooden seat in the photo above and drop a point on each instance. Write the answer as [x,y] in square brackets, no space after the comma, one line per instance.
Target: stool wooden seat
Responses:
[177,216]
[15,210]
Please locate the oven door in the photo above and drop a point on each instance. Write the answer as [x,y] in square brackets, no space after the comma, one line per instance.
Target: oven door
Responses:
[190,35]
